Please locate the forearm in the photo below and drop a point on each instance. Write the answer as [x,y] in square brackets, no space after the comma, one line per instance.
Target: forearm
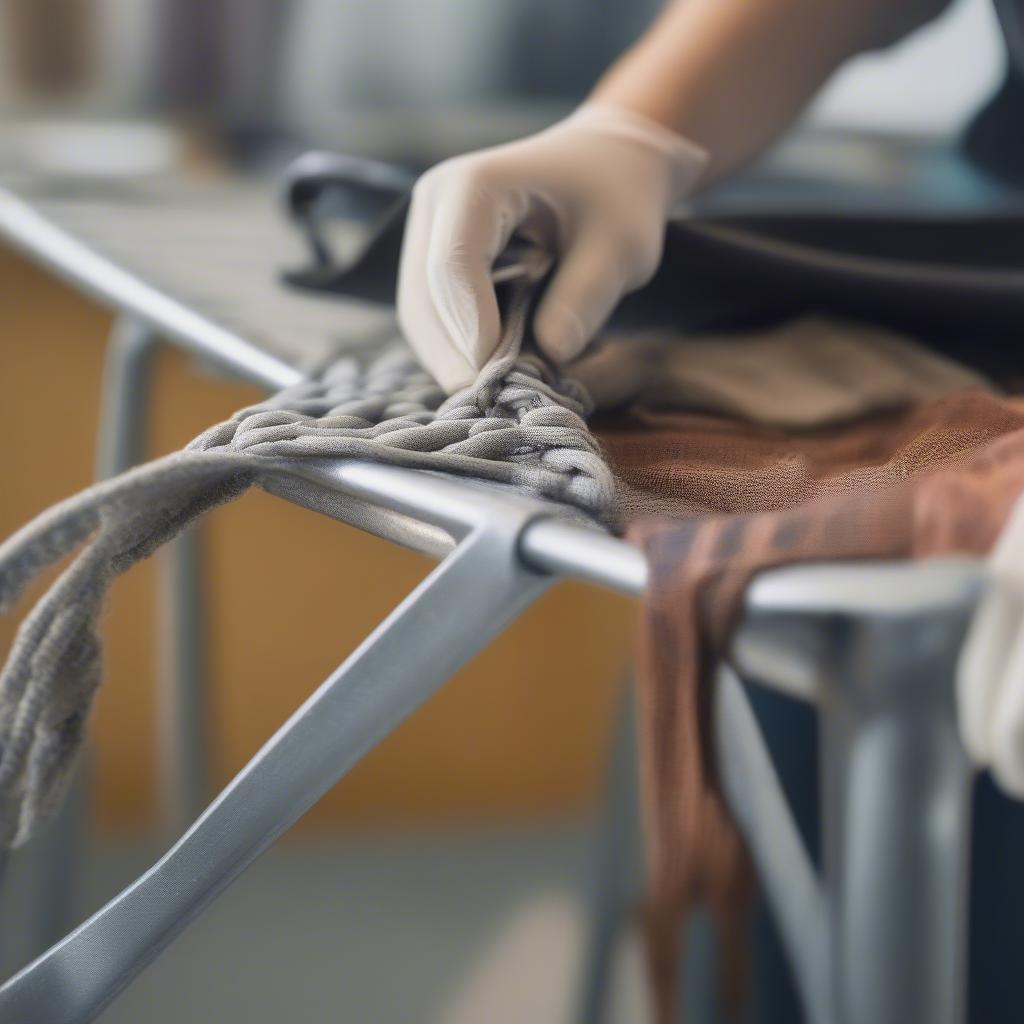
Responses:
[732,74]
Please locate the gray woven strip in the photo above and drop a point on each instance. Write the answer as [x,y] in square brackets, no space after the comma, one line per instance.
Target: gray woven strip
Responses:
[519,424]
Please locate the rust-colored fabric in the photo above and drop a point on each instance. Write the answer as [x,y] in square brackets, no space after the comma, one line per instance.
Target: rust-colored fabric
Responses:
[936,479]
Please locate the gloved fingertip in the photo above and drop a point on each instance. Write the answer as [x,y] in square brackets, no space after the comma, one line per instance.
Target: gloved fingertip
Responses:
[453,367]
[560,333]
[451,384]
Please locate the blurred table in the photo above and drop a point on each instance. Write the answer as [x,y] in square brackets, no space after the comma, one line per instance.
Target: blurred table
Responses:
[215,242]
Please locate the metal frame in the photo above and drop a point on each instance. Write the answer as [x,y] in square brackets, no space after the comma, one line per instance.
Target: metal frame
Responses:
[874,646]
[121,444]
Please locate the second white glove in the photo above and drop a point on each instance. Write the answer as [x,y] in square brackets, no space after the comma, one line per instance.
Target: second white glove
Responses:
[595,190]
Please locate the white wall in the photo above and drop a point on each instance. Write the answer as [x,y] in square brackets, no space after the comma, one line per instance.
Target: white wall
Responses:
[928,83]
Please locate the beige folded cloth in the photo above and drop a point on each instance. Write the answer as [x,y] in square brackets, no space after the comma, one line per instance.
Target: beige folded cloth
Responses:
[807,373]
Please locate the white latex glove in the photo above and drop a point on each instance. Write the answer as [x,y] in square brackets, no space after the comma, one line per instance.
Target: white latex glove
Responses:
[595,189]
[990,675]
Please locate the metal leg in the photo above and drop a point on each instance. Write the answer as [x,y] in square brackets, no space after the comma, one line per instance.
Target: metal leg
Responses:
[181,724]
[469,599]
[617,878]
[122,435]
[878,645]
[897,825]
[183,740]
[49,867]
[790,884]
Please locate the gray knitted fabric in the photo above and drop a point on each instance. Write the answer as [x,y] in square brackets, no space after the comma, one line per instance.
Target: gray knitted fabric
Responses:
[520,424]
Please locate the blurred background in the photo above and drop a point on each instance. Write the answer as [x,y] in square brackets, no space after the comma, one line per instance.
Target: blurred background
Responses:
[442,879]
[402,79]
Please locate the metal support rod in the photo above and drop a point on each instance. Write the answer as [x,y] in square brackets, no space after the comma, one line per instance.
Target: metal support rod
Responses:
[616,885]
[181,733]
[584,553]
[182,720]
[791,885]
[897,793]
[124,399]
[465,602]
[50,868]
[875,646]
[401,499]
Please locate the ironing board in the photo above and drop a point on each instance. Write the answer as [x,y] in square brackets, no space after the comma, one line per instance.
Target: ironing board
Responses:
[879,936]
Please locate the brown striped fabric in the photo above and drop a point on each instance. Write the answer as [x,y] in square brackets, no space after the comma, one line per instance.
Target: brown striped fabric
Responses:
[713,502]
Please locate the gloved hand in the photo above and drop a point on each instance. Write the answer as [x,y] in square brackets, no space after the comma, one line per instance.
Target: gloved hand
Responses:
[990,674]
[595,189]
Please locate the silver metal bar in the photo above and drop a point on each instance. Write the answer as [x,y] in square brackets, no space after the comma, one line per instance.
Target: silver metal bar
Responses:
[867,588]
[791,885]
[571,550]
[57,853]
[878,644]
[470,598]
[50,883]
[125,396]
[615,887]
[183,755]
[548,544]
[567,549]
[897,795]
[181,730]
[91,273]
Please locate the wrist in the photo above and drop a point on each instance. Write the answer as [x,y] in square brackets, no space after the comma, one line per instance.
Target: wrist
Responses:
[685,160]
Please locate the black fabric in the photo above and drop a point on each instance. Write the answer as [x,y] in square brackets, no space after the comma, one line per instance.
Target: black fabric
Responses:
[995,987]
[1011,21]
[993,140]
[957,282]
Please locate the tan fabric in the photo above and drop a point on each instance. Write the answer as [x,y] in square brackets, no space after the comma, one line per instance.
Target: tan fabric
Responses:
[807,373]
[937,479]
